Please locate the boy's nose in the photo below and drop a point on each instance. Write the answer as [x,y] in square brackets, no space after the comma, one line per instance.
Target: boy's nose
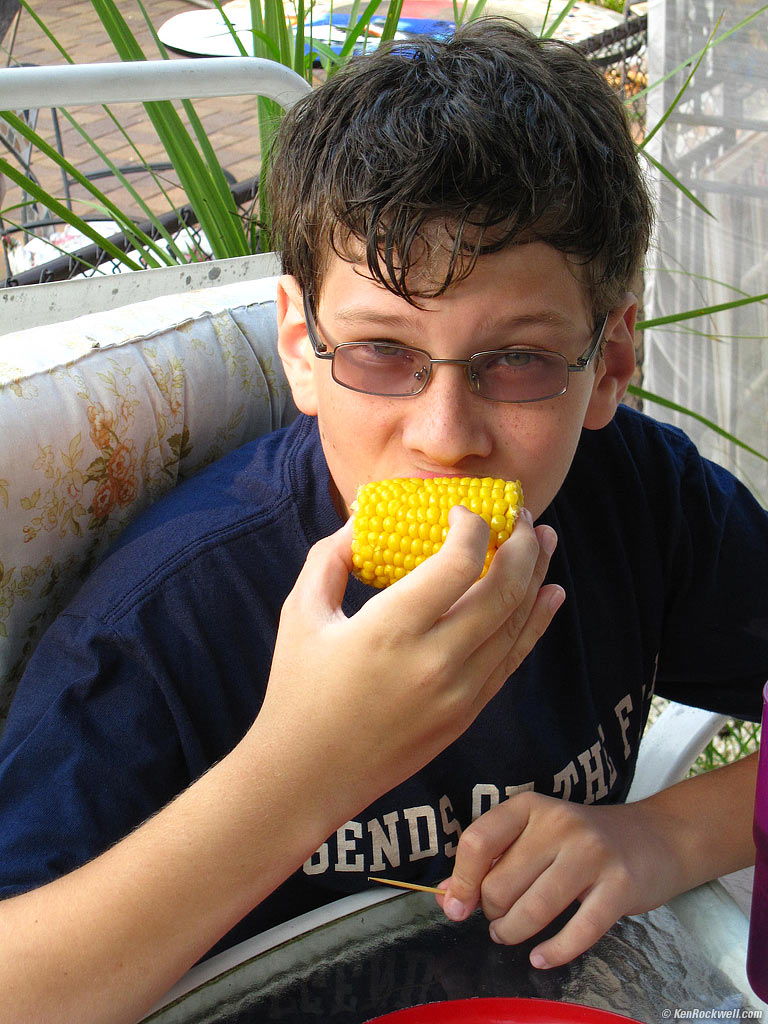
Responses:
[446,422]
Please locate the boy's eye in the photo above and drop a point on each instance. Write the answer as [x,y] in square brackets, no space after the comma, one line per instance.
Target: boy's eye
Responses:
[380,352]
[516,359]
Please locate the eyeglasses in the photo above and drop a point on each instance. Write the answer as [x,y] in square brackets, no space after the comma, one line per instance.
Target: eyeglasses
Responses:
[501,375]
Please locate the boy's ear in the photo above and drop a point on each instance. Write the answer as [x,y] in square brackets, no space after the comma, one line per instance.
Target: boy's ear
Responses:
[615,369]
[294,346]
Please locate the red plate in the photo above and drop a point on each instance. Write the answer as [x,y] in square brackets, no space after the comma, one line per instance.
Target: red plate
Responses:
[501,1011]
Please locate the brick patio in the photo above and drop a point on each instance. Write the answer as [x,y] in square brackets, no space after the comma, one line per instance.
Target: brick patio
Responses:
[230,122]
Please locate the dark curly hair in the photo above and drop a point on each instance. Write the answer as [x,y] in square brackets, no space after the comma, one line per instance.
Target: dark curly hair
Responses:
[495,134]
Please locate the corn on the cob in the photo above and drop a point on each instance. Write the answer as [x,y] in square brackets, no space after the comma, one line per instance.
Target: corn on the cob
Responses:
[400,522]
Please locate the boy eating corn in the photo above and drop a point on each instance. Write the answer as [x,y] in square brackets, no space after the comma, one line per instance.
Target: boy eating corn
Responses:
[226,729]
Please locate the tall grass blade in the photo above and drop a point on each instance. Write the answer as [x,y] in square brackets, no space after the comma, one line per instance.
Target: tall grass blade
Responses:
[49,241]
[203,139]
[667,403]
[674,318]
[547,33]
[300,60]
[121,176]
[62,212]
[354,32]
[394,10]
[215,216]
[695,56]
[70,60]
[677,183]
[49,35]
[681,91]
[477,10]
[231,29]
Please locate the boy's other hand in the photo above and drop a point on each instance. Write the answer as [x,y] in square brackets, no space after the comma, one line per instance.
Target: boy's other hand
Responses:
[530,858]
[375,696]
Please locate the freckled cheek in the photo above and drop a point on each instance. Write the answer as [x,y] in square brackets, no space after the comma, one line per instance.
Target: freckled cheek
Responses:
[357,422]
[538,447]
[357,437]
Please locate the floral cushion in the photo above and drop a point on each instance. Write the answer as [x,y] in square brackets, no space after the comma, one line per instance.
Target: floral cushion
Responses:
[101,415]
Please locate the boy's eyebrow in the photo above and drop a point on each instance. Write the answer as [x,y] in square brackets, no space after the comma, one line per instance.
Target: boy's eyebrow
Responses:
[361,315]
[357,315]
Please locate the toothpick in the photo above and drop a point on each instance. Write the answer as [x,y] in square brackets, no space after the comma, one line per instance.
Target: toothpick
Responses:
[406,885]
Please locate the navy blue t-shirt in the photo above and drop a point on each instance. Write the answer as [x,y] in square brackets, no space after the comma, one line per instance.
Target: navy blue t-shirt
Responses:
[159,666]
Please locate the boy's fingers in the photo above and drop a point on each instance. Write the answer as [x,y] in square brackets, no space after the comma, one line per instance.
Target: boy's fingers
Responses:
[506,601]
[591,921]
[548,599]
[422,596]
[505,571]
[323,578]
[505,596]
[514,643]
[523,899]
[480,846]
[419,599]
[521,625]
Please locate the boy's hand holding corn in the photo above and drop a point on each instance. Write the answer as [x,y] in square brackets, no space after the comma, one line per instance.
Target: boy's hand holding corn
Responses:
[376,696]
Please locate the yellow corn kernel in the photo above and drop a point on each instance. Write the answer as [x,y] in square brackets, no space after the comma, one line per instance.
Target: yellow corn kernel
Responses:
[400,522]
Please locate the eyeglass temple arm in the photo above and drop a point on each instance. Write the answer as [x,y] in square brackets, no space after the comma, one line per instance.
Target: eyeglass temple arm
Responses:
[586,358]
[321,349]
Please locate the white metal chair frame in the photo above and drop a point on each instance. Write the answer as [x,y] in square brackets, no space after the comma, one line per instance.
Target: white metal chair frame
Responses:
[89,84]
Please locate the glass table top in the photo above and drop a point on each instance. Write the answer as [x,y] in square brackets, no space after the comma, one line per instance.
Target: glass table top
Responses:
[402,951]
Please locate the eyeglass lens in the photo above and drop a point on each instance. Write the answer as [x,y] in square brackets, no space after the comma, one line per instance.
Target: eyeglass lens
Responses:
[511,375]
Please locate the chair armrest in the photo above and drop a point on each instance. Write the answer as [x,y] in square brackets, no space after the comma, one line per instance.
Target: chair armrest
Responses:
[670,746]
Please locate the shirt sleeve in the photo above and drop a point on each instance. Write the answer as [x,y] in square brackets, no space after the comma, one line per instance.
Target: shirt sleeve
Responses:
[90,751]
[714,652]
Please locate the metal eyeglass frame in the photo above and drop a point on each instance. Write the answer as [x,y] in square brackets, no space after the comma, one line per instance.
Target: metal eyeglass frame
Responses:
[322,351]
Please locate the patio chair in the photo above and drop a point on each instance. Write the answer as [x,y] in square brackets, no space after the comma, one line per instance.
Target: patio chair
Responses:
[102,413]
[185,381]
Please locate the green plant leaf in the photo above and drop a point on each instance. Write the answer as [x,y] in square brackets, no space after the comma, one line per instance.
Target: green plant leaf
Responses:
[86,264]
[394,10]
[667,403]
[124,180]
[203,140]
[548,31]
[714,42]
[354,32]
[49,35]
[477,10]
[270,48]
[325,51]
[139,238]
[677,183]
[65,214]
[682,90]
[689,314]
[231,29]
[216,216]
[300,60]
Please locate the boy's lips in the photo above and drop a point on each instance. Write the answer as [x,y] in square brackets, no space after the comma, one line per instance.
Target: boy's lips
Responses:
[431,474]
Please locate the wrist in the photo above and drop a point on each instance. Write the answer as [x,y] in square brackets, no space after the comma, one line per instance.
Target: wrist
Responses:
[706,822]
